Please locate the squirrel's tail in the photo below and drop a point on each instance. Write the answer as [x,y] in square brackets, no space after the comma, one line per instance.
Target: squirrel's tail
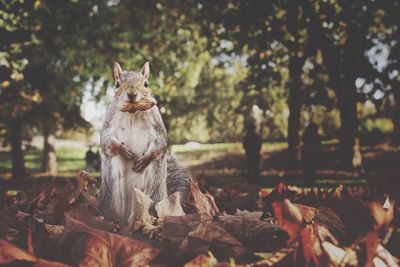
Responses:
[178,177]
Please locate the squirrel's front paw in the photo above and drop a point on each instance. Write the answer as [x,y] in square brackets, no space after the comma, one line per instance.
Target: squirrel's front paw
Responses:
[142,163]
[126,153]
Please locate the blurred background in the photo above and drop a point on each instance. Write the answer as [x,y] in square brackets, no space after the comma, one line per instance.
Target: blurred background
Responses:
[216,66]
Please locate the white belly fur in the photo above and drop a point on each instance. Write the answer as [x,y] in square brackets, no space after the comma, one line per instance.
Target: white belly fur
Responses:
[137,134]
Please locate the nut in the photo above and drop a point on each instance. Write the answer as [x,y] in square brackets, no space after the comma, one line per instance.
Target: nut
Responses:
[145,103]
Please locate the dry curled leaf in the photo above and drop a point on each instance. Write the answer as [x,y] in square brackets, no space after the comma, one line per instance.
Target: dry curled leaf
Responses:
[308,213]
[276,258]
[169,207]
[176,228]
[338,256]
[140,215]
[98,222]
[289,217]
[382,217]
[202,261]
[204,203]
[250,230]
[82,180]
[54,229]
[208,233]
[87,187]
[92,247]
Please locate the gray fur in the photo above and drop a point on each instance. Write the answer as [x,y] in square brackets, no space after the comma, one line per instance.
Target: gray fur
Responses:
[178,177]
[162,177]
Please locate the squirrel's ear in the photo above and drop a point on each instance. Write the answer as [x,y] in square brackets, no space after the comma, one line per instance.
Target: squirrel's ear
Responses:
[146,70]
[117,71]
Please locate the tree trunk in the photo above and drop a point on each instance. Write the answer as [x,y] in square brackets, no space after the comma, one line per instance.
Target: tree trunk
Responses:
[49,160]
[349,151]
[294,102]
[340,63]
[17,156]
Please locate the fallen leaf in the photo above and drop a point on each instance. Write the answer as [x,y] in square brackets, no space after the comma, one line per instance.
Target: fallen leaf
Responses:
[87,187]
[204,203]
[10,253]
[176,228]
[140,215]
[54,229]
[251,231]
[56,208]
[382,217]
[384,255]
[278,257]
[169,207]
[202,261]
[84,215]
[308,213]
[336,255]
[289,217]
[92,247]
[209,234]
[82,180]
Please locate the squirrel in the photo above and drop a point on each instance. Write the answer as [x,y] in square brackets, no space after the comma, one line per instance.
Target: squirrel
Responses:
[136,151]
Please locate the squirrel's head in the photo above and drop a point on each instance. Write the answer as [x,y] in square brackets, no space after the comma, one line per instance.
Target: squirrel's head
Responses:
[132,85]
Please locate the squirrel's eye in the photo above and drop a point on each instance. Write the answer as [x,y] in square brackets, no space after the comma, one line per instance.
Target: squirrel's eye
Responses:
[146,84]
[117,84]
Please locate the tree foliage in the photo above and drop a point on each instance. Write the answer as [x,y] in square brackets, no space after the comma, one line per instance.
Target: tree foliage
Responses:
[215,66]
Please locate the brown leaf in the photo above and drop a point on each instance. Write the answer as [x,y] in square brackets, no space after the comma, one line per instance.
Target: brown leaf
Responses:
[84,215]
[204,203]
[311,246]
[41,200]
[56,208]
[276,258]
[382,217]
[325,235]
[176,228]
[54,229]
[250,230]
[10,253]
[209,233]
[308,213]
[289,217]
[92,247]
[82,180]
[140,216]
[202,261]
[169,207]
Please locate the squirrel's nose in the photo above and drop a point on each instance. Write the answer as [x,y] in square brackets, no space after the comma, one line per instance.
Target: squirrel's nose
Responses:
[132,97]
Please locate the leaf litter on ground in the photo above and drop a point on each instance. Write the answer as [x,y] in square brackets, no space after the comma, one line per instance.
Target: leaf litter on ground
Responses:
[239,225]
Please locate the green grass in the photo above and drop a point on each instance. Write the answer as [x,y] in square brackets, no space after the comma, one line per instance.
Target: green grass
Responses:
[181,149]
[69,160]
[233,147]
[72,159]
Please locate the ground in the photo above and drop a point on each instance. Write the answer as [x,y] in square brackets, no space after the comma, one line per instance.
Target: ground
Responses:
[56,219]
[220,164]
